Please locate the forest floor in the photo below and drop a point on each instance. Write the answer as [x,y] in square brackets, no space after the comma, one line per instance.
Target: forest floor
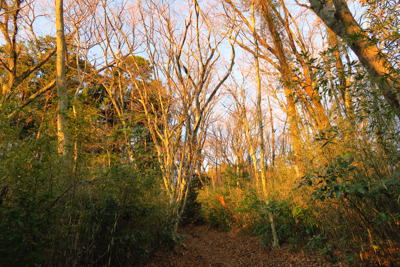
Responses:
[203,246]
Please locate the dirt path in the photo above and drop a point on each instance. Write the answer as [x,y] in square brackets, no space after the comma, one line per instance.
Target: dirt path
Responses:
[202,247]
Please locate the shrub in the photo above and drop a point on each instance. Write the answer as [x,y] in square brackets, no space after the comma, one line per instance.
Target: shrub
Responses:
[292,222]
[54,213]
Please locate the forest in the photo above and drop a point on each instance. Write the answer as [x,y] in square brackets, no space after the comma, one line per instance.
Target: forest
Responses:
[123,122]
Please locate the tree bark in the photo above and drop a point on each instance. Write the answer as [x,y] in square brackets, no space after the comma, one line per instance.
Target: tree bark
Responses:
[61,82]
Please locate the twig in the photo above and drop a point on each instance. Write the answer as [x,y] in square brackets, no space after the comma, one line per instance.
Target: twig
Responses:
[68,189]
[215,240]
[61,196]
[207,229]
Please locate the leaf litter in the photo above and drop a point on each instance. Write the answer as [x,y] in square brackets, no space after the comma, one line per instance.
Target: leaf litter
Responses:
[201,246]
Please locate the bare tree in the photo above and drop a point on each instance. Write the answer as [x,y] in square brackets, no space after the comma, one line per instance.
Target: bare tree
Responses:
[80,18]
[243,114]
[185,59]
[298,85]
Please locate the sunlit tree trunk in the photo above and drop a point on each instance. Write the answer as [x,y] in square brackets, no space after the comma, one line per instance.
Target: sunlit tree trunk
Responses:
[271,121]
[259,111]
[340,20]
[244,122]
[61,82]
[291,83]
[306,81]
[288,85]
[252,147]
[261,128]
[348,101]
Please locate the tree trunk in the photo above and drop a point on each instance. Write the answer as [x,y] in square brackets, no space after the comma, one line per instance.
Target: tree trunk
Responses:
[287,76]
[261,132]
[259,114]
[271,121]
[61,82]
[340,20]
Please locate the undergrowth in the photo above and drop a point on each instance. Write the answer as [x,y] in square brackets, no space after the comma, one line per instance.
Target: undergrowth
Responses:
[340,210]
[54,212]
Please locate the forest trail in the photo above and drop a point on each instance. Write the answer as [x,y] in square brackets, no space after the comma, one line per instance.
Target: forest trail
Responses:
[210,247]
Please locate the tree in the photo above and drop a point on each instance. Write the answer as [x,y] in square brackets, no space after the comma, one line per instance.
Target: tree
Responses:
[185,59]
[62,90]
[16,15]
[338,18]
[298,81]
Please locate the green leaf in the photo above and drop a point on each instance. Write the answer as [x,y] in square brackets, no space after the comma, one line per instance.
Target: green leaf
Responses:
[360,190]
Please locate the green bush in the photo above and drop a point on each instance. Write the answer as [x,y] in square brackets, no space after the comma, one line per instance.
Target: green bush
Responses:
[55,213]
[25,224]
[362,203]
[212,210]
[292,222]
